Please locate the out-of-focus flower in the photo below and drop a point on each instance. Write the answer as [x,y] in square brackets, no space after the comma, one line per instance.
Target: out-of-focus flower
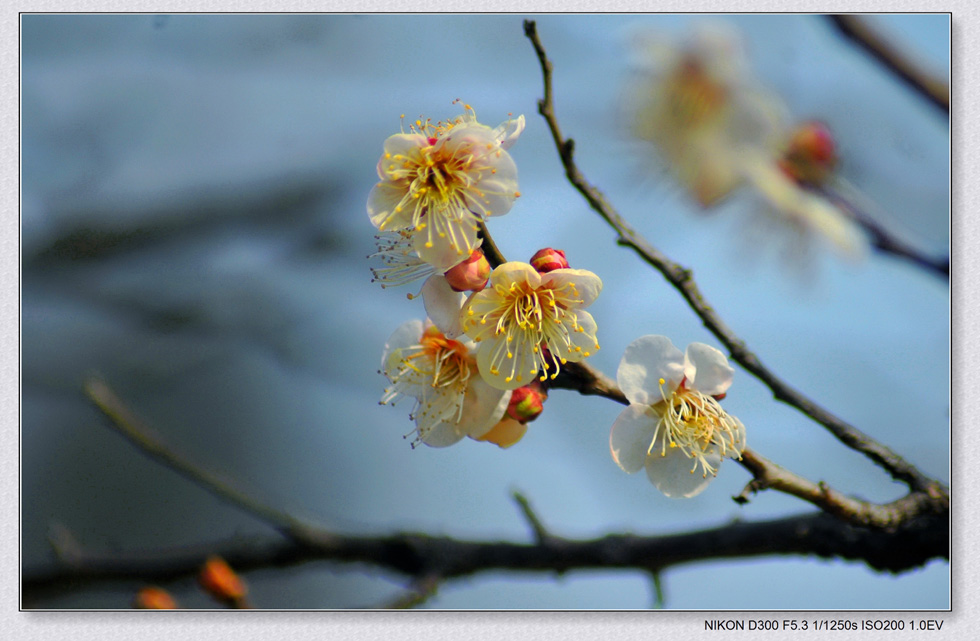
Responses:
[154,598]
[221,582]
[698,105]
[674,426]
[802,208]
[440,180]
[451,400]
[527,324]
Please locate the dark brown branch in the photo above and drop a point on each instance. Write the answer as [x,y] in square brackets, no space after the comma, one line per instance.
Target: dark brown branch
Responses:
[683,281]
[420,555]
[493,255]
[898,545]
[857,29]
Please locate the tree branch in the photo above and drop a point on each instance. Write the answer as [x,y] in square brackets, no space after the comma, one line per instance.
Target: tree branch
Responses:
[683,281]
[422,556]
[858,31]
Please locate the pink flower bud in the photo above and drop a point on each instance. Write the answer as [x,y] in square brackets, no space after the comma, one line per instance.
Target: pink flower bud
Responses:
[470,275]
[811,154]
[548,259]
[526,403]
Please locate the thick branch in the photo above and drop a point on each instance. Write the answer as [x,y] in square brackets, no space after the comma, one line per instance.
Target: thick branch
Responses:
[423,556]
[683,281]
[905,543]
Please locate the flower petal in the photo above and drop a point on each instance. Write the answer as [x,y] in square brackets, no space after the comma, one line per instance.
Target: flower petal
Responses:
[408,333]
[483,407]
[447,251]
[505,433]
[442,305]
[645,361]
[381,204]
[587,284]
[670,472]
[442,434]
[507,132]
[631,436]
[581,343]
[513,373]
[707,369]
[736,453]
[515,272]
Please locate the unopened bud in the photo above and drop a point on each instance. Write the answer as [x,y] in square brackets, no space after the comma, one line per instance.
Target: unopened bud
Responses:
[526,403]
[153,598]
[811,154]
[220,581]
[470,275]
[548,259]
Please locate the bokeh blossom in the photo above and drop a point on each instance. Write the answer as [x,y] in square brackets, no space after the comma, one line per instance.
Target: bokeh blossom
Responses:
[527,324]
[440,180]
[674,426]
[451,400]
[699,107]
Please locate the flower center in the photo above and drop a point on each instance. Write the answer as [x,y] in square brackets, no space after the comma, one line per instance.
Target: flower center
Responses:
[436,371]
[438,180]
[693,97]
[536,322]
[695,423]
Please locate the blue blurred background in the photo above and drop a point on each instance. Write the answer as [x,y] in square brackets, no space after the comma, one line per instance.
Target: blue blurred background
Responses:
[194,230]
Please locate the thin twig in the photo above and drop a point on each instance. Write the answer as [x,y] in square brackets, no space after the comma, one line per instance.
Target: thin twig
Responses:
[537,527]
[859,31]
[133,428]
[683,281]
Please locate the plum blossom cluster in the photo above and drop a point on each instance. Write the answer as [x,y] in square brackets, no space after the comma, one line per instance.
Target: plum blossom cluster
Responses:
[478,365]
[714,126]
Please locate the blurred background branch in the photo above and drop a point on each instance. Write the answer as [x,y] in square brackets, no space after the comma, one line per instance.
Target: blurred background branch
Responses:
[858,30]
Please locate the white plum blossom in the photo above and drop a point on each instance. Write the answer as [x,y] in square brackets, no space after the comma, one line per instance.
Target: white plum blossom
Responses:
[674,426]
[451,400]
[439,181]
[527,324]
